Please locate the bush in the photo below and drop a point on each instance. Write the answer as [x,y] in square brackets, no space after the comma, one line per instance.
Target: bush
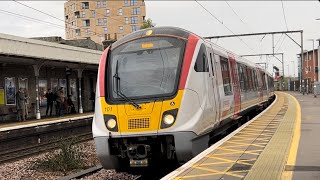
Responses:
[67,158]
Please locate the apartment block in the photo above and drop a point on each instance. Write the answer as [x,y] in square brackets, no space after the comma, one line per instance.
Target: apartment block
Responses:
[103,19]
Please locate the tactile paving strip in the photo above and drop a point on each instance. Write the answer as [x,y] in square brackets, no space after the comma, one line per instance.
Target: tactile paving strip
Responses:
[235,158]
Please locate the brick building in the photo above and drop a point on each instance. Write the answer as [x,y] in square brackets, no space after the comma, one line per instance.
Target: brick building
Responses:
[310,71]
[102,20]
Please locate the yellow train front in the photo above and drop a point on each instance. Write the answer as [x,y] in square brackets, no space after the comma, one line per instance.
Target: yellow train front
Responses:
[163,92]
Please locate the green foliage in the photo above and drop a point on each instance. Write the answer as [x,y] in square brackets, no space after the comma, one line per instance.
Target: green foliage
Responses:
[147,24]
[68,157]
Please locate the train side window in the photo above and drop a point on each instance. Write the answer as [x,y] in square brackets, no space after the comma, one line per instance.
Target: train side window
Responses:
[241,77]
[225,76]
[201,64]
[249,75]
[263,77]
[255,79]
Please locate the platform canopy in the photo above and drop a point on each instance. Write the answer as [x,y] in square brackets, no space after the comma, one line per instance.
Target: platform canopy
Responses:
[14,49]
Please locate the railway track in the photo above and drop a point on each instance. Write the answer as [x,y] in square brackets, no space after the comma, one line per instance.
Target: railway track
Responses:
[43,147]
[19,143]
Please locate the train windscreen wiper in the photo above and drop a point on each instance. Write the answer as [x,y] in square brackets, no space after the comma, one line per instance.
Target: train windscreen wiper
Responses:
[118,89]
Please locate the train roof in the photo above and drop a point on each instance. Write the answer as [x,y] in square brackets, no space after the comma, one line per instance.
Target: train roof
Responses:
[175,31]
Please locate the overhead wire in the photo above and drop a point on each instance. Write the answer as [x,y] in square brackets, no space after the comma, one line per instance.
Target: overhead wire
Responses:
[221,22]
[30,18]
[243,22]
[284,15]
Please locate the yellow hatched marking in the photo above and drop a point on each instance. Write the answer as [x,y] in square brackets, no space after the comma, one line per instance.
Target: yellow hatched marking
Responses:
[214,163]
[197,175]
[264,134]
[240,152]
[253,159]
[228,160]
[221,172]
[245,152]
[260,130]
[248,144]
[239,138]
[257,139]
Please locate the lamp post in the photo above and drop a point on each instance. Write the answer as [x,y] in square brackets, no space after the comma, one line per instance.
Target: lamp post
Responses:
[294,76]
[288,77]
[313,61]
[307,71]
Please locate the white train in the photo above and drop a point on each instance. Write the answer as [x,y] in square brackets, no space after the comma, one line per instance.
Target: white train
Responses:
[163,92]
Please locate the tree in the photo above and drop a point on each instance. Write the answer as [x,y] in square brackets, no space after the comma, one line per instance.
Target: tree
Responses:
[147,24]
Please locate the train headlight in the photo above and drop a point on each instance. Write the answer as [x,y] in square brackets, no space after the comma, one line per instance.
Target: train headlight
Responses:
[111,123]
[168,118]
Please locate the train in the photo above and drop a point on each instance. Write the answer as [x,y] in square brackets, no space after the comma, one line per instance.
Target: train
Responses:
[163,92]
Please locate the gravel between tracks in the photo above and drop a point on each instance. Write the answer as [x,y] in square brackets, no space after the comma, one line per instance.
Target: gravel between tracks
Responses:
[24,168]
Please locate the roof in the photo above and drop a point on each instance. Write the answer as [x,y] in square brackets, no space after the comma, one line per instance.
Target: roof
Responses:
[32,48]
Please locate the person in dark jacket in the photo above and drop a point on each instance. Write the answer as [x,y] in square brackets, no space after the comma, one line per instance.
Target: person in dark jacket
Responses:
[21,102]
[50,98]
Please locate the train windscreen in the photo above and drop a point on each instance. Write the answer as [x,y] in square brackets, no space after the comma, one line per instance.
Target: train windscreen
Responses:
[145,67]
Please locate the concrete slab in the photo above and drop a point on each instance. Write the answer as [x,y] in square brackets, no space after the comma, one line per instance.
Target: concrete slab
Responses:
[309,146]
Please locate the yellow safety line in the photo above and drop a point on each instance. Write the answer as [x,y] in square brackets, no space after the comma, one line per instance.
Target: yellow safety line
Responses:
[295,142]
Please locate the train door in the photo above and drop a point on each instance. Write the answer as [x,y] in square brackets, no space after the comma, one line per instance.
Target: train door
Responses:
[260,85]
[214,84]
[235,84]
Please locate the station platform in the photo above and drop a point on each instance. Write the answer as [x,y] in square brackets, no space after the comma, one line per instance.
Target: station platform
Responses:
[41,122]
[263,148]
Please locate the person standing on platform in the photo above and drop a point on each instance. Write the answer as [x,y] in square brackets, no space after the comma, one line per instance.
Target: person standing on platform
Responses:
[60,101]
[21,100]
[50,98]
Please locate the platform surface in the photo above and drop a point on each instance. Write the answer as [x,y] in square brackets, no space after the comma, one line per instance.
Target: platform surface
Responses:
[307,165]
[259,149]
[45,121]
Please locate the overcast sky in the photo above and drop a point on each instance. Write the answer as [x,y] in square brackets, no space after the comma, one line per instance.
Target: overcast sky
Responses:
[247,17]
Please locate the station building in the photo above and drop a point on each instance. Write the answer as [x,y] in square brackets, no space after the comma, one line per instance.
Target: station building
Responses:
[37,66]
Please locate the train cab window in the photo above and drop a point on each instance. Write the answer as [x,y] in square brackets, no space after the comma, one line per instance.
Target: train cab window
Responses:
[201,64]
[225,76]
